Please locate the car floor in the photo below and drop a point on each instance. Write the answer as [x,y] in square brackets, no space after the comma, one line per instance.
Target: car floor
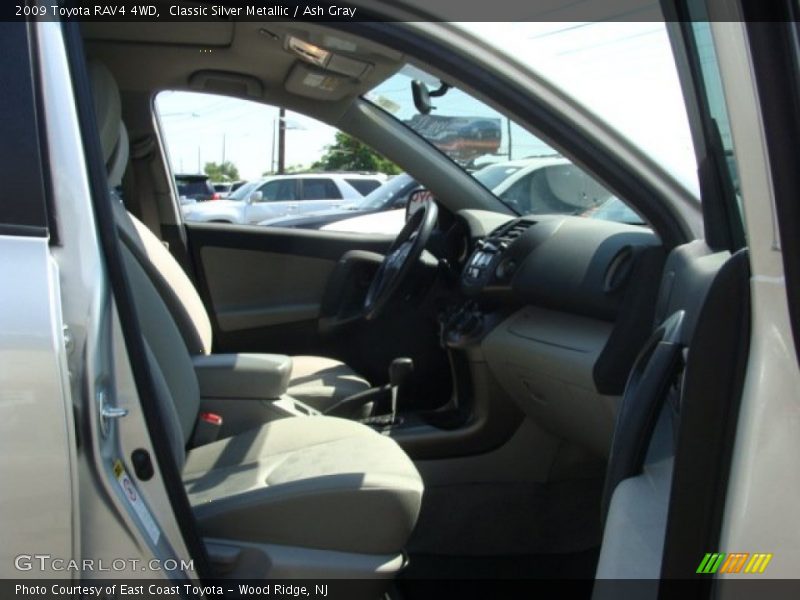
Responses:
[486,520]
[512,531]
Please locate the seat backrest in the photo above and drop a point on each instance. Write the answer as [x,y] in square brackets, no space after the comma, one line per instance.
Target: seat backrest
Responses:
[154,276]
[172,283]
[666,473]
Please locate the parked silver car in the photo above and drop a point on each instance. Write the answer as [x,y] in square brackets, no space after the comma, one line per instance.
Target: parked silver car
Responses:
[281,195]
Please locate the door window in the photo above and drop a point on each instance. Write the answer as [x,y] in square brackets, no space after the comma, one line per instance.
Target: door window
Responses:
[719,179]
[225,140]
[320,189]
[278,191]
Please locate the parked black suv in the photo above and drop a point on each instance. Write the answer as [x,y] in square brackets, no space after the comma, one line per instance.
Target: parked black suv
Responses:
[195,187]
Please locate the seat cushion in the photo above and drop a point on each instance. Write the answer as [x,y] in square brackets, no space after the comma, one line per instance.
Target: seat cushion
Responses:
[321,382]
[314,482]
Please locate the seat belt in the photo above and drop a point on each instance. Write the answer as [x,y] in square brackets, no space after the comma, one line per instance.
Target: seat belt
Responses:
[650,385]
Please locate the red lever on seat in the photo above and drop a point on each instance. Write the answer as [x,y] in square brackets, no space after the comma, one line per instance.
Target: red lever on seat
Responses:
[211,418]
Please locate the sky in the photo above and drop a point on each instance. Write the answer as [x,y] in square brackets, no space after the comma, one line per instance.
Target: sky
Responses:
[201,128]
[622,71]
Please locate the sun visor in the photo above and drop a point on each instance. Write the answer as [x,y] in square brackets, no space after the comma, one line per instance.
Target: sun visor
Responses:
[313,82]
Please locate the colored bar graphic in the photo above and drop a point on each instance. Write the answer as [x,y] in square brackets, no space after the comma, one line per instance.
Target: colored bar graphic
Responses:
[734,562]
[720,562]
[758,563]
[710,562]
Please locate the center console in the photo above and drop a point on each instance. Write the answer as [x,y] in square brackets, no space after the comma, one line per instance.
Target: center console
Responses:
[240,391]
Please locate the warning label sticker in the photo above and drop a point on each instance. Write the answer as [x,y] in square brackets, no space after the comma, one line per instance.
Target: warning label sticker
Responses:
[133,498]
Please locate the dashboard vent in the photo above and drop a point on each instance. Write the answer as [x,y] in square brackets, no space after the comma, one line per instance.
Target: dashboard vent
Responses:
[510,231]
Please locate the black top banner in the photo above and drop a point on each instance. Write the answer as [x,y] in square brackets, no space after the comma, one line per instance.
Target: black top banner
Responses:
[356,10]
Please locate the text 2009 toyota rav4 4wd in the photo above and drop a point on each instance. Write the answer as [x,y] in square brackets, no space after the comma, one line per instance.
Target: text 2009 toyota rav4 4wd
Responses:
[487,394]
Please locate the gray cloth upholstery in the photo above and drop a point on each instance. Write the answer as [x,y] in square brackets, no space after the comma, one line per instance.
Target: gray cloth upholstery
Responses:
[308,482]
[317,482]
[333,380]
[253,376]
[174,286]
[317,381]
[321,382]
[166,346]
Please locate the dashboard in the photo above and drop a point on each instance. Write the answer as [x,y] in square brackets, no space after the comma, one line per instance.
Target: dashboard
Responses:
[558,307]
[569,263]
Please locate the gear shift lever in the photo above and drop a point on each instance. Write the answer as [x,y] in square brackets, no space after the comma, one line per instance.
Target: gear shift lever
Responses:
[399,373]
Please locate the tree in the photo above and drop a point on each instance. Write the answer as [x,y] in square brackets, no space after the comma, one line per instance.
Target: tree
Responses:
[226,171]
[348,154]
[290,169]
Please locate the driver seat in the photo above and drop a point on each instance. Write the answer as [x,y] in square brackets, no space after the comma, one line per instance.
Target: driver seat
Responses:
[317,381]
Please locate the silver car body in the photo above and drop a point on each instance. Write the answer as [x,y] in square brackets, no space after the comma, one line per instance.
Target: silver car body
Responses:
[255,208]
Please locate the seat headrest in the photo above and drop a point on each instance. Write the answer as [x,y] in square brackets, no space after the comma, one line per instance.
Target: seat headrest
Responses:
[108,110]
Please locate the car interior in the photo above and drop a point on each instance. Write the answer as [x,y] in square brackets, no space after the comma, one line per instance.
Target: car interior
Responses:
[486,395]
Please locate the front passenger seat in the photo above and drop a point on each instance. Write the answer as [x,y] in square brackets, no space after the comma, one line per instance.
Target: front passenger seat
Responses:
[301,497]
[316,381]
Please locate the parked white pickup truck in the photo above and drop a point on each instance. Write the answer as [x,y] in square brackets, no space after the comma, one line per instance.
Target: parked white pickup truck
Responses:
[282,195]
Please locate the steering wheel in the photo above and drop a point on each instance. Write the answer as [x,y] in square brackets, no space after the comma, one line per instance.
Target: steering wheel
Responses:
[398,262]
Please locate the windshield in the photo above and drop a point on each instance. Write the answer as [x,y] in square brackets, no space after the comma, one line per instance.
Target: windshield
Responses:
[623,71]
[388,193]
[521,170]
[243,192]
[493,175]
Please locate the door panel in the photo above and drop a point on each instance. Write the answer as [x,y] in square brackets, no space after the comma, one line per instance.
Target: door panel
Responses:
[251,288]
[263,287]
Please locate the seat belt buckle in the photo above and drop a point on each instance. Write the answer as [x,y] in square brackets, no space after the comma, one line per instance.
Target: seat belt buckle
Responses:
[207,429]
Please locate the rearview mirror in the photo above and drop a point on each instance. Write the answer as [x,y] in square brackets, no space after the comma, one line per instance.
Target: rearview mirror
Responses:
[422,97]
[417,200]
[255,197]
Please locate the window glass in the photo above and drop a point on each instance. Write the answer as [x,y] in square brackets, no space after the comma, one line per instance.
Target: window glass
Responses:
[244,191]
[392,194]
[319,189]
[519,168]
[198,190]
[221,141]
[364,186]
[715,97]
[622,69]
[276,191]
[493,175]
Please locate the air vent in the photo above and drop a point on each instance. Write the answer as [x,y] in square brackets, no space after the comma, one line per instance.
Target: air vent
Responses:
[618,270]
[510,231]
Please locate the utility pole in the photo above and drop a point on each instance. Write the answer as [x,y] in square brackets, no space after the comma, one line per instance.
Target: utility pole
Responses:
[508,129]
[281,141]
[223,148]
